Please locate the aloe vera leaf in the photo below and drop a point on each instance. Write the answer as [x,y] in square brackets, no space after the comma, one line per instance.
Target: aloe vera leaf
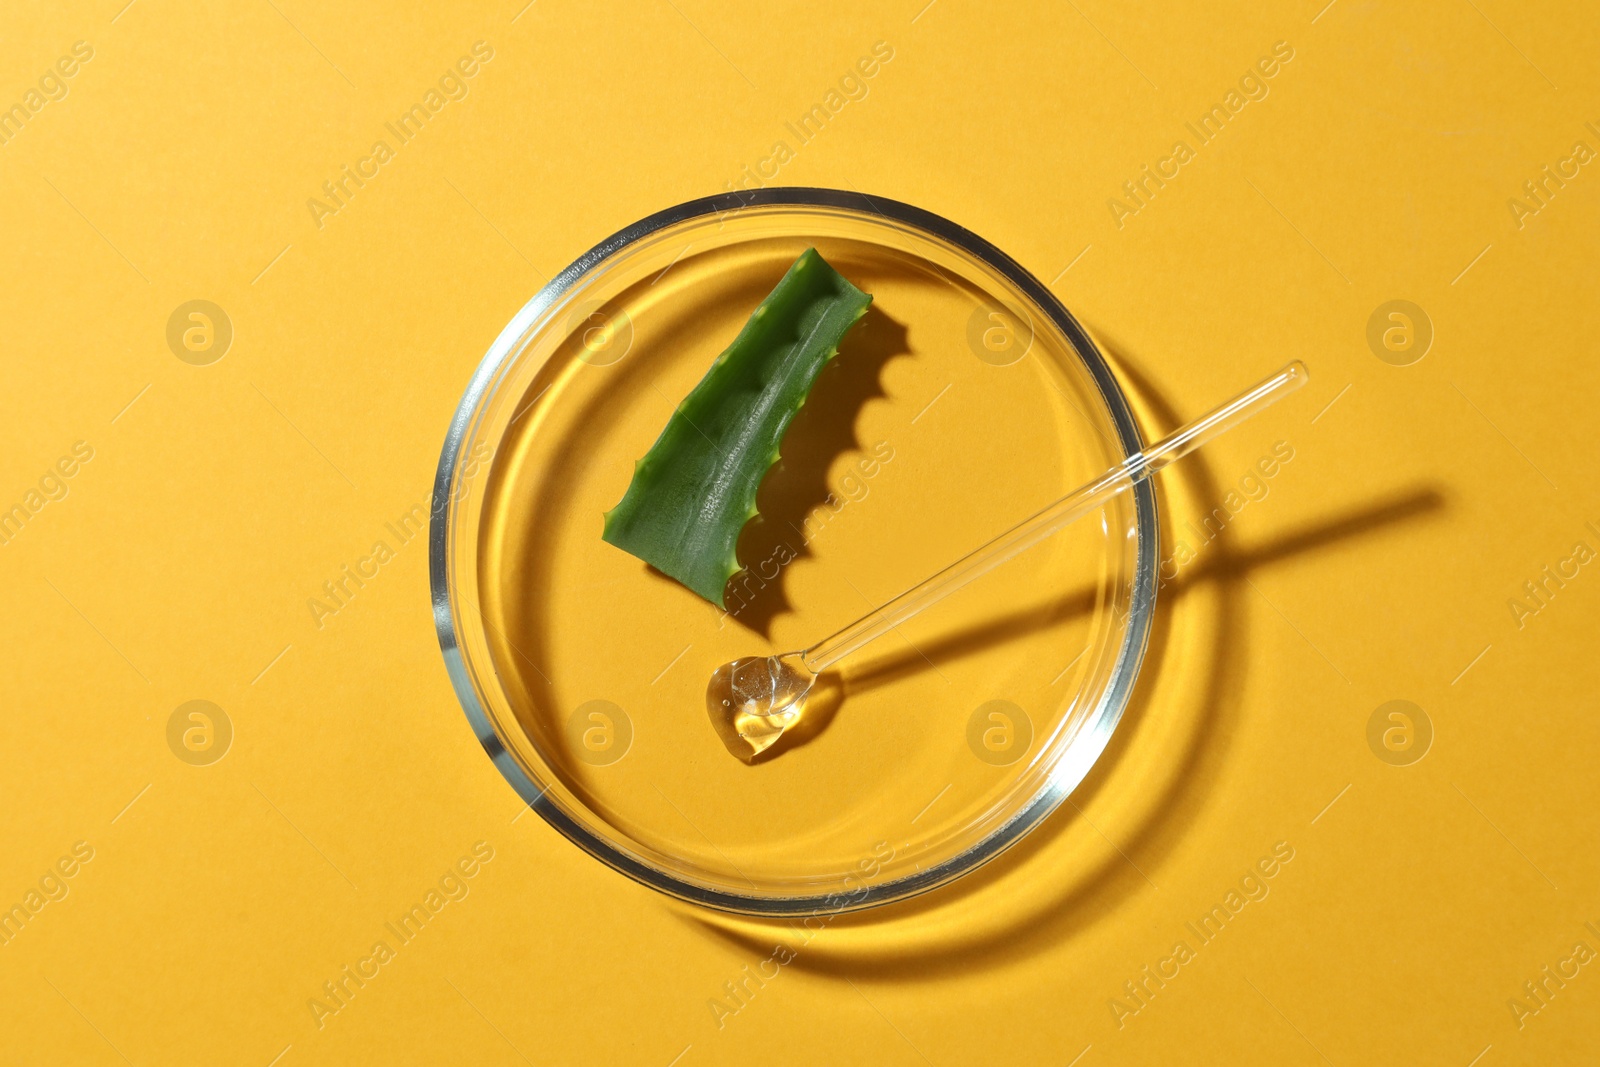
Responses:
[695,489]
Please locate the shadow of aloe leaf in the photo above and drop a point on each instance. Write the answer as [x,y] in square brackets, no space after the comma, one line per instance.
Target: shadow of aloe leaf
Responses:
[822,431]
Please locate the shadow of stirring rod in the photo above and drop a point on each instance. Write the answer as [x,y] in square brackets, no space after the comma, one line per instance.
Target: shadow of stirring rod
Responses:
[754,700]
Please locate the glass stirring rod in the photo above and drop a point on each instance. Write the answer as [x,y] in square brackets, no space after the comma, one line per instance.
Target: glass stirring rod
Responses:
[754,700]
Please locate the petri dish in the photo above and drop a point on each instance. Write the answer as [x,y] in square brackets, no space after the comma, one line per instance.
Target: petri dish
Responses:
[966,399]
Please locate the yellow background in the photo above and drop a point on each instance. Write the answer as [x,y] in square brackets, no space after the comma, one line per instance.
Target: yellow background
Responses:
[219,898]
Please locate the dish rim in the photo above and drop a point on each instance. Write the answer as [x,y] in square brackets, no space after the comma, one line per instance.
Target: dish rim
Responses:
[1080,756]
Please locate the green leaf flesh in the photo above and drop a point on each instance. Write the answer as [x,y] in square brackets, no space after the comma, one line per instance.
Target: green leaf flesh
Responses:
[695,489]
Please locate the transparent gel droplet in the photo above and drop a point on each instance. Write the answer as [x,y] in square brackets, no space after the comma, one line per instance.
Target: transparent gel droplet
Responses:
[756,700]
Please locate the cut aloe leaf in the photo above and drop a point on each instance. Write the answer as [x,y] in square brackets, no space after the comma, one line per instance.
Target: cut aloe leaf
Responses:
[695,489]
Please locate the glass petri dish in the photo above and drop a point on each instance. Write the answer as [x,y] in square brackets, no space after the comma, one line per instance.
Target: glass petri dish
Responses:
[967,399]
